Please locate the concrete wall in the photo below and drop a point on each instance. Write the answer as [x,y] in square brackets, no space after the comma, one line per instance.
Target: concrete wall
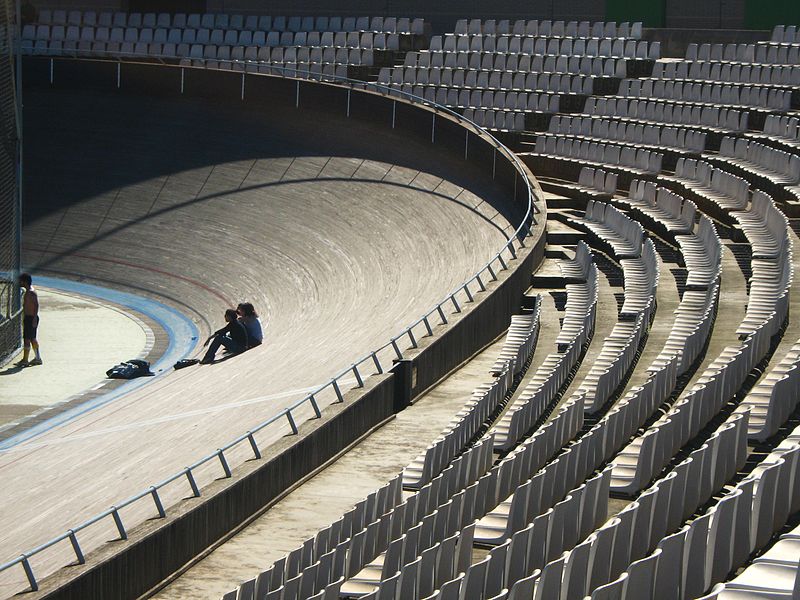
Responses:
[158,548]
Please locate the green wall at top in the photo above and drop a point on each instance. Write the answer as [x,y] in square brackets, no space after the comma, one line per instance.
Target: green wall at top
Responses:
[765,14]
[649,12]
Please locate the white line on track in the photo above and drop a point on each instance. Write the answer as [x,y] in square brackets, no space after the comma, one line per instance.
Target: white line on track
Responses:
[165,419]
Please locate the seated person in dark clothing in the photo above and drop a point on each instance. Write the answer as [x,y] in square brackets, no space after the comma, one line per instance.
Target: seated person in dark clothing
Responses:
[249,318]
[233,337]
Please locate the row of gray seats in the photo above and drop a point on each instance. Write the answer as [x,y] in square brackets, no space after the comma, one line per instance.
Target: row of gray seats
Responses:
[219,37]
[497,120]
[662,206]
[778,166]
[490,80]
[709,93]
[198,55]
[785,34]
[597,181]
[633,554]
[637,133]
[516,62]
[720,118]
[651,451]
[775,396]
[788,75]
[229,21]
[551,45]
[485,399]
[745,53]
[744,520]
[450,95]
[577,328]
[583,29]
[610,154]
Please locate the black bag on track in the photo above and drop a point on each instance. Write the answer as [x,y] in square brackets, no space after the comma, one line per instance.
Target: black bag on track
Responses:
[130,369]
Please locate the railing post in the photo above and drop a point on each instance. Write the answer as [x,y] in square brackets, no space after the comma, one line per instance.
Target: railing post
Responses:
[491,272]
[224,463]
[297,96]
[455,303]
[394,113]
[290,418]
[52,72]
[119,74]
[123,535]
[195,490]
[339,396]
[411,337]
[377,363]
[441,314]
[157,501]
[254,445]
[243,86]
[433,128]
[466,144]
[29,574]
[494,162]
[348,101]
[469,294]
[480,283]
[183,76]
[502,262]
[315,406]
[510,246]
[76,547]
[427,325]
[396,349]
[358,376]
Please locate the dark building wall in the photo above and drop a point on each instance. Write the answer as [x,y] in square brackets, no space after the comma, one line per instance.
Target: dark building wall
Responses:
[715,14]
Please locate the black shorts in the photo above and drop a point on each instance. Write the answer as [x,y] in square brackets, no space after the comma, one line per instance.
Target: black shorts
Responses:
[29,326]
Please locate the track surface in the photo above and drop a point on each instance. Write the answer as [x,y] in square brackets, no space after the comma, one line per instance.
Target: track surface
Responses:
[341,234]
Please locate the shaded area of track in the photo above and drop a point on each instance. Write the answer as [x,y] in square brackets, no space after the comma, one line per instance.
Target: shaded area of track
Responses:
[340,233]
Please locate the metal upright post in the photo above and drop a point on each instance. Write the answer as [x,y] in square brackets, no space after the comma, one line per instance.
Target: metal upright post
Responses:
[18,107]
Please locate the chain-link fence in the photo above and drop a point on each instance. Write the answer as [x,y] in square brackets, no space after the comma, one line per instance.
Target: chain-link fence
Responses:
[10,215]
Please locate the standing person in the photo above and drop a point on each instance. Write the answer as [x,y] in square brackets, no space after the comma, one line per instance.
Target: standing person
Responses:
[30,321]
[233,337]
[249,318]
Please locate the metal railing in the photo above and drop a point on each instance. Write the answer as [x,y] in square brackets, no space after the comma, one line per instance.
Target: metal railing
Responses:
[424,326]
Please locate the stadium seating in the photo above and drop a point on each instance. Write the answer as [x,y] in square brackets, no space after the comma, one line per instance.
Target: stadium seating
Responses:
[696,157]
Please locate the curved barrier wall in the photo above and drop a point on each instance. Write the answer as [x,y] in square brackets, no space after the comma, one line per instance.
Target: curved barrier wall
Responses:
[463,323]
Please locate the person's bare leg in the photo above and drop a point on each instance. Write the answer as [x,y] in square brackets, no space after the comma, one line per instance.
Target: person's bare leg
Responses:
[38,357]
[26,350]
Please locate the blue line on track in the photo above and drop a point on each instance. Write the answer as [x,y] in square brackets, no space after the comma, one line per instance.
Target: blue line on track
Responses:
[181,331]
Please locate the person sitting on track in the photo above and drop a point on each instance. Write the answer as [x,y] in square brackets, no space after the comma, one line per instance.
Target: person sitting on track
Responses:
[249,318]
[233,337]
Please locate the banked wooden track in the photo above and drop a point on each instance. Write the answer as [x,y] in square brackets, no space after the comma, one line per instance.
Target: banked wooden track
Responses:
[341,233]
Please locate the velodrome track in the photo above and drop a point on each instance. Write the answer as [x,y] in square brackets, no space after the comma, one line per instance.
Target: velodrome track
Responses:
[340,233]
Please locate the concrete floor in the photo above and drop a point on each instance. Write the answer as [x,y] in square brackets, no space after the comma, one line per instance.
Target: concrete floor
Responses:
[80,338]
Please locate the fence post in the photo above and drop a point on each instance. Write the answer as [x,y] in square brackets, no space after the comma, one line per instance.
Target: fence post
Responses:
[192,482]
[336,389]
[29,574]
[292,424]
[76,547]
[157,501]
[254,445]
[224,463]
[123,535]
